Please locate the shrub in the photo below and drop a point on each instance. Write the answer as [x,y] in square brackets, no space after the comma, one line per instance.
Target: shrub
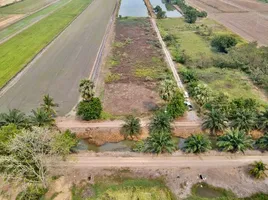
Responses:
[176,106]
[197,144]
[190,16]
[181,57]
[258,169]
[89,110]
[32,193]
[202,14]
[223,42]
[132,127]
[161,122]
[188,76]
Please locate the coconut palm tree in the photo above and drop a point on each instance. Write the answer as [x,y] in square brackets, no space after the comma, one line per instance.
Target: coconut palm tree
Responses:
[258,169]
[197,144]
[41,118]
[49,105]
[263,120]
[262,142]
[13,116]
[234,140]
[215,120]
[132,127]
[86,88]
[160,142]
[167,89]
[161,122]
[244,119]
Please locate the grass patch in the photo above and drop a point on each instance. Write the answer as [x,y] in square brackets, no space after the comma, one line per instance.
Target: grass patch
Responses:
[121,188]
[112,77]
[13,28]
[21,49]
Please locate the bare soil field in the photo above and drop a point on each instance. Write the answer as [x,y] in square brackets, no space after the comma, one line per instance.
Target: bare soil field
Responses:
[6,2]
[247,18]
[133,69]
[9,20]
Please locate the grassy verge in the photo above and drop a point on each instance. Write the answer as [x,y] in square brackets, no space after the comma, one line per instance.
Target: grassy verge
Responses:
[209,192]
[24,6]
[194,40]
[10,30]
[123,188]
[21,49]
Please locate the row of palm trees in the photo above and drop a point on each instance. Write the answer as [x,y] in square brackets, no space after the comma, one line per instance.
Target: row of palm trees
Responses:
[42,116]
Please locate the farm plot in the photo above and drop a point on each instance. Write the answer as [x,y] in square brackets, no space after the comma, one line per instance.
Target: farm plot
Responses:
[21,49]
[232,82]
[133,70]
[248,19]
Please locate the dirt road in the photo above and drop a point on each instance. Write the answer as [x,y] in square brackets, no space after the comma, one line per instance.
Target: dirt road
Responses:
[85,161]
[59,69]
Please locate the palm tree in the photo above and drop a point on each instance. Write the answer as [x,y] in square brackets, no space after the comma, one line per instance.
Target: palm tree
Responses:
[258,169]
[262,142]
[86,88]
[243,120]
[234,140]
[215,120]
[13,116]
[160,142]
[132,127]
[167,89]
[41,118]
[263,120]
[161,122]
[197,144]
[49,105]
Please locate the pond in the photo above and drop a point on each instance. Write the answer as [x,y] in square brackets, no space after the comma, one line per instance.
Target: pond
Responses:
[204,191]
[133,8]
[167,7]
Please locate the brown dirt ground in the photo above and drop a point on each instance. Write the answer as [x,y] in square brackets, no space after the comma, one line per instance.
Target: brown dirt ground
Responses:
[5,21]
[136,64]
[6,2]
[247,18]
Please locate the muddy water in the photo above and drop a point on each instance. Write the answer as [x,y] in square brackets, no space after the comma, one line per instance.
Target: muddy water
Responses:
[167,7]
[133,8]
[206,192]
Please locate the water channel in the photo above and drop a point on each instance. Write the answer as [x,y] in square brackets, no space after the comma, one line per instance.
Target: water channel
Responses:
[133,8]
[167,7]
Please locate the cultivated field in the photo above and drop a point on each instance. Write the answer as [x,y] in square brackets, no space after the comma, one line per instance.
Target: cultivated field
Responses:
[60,68]
[198,49]
[248,18]
[133,69]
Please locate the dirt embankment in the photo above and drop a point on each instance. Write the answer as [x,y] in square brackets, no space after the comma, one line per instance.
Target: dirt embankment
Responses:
[150,8]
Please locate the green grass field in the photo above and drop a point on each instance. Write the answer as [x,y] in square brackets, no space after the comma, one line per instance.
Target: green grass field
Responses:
[25,6]
[230,81]
[30,19]
[21,49]
[123,189]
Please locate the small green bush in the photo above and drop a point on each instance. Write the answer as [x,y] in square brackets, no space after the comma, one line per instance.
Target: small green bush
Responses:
[32,193]
[89,110]
[223,42]
[188,76]
[176,106]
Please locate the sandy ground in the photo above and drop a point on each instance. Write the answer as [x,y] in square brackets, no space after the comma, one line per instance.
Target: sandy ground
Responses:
[9,20]
[59,69]
[229,171]
[247,18]
[6,2]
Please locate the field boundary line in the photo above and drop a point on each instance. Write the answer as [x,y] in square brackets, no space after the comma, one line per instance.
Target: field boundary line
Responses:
[29,64]
[96,66]
[18,32]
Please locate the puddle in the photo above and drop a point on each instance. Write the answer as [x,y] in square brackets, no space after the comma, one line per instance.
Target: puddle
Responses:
[167,7]
[133,8]
[202,190]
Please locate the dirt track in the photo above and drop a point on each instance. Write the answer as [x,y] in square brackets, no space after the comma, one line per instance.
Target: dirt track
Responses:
[247,18]
[59,69]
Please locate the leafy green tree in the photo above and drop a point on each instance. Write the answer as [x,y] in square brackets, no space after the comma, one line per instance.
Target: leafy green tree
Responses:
[262,142]
[263,120]
[234,140]
[161,122]
[86,89]
[49,105]
[167,89]
[197,144]
[223,42]
[41,118]
[132,127]
[13,116]
[160,142]
[62,143]
[258,169]
[176,106]
[215,120]
[89,110]
[243,120]
[190,16]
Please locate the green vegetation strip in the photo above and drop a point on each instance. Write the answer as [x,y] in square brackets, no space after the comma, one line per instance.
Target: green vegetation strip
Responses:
[12,29]
[17,52]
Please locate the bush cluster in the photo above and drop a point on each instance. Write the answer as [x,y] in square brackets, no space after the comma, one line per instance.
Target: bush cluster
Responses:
[89,110]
